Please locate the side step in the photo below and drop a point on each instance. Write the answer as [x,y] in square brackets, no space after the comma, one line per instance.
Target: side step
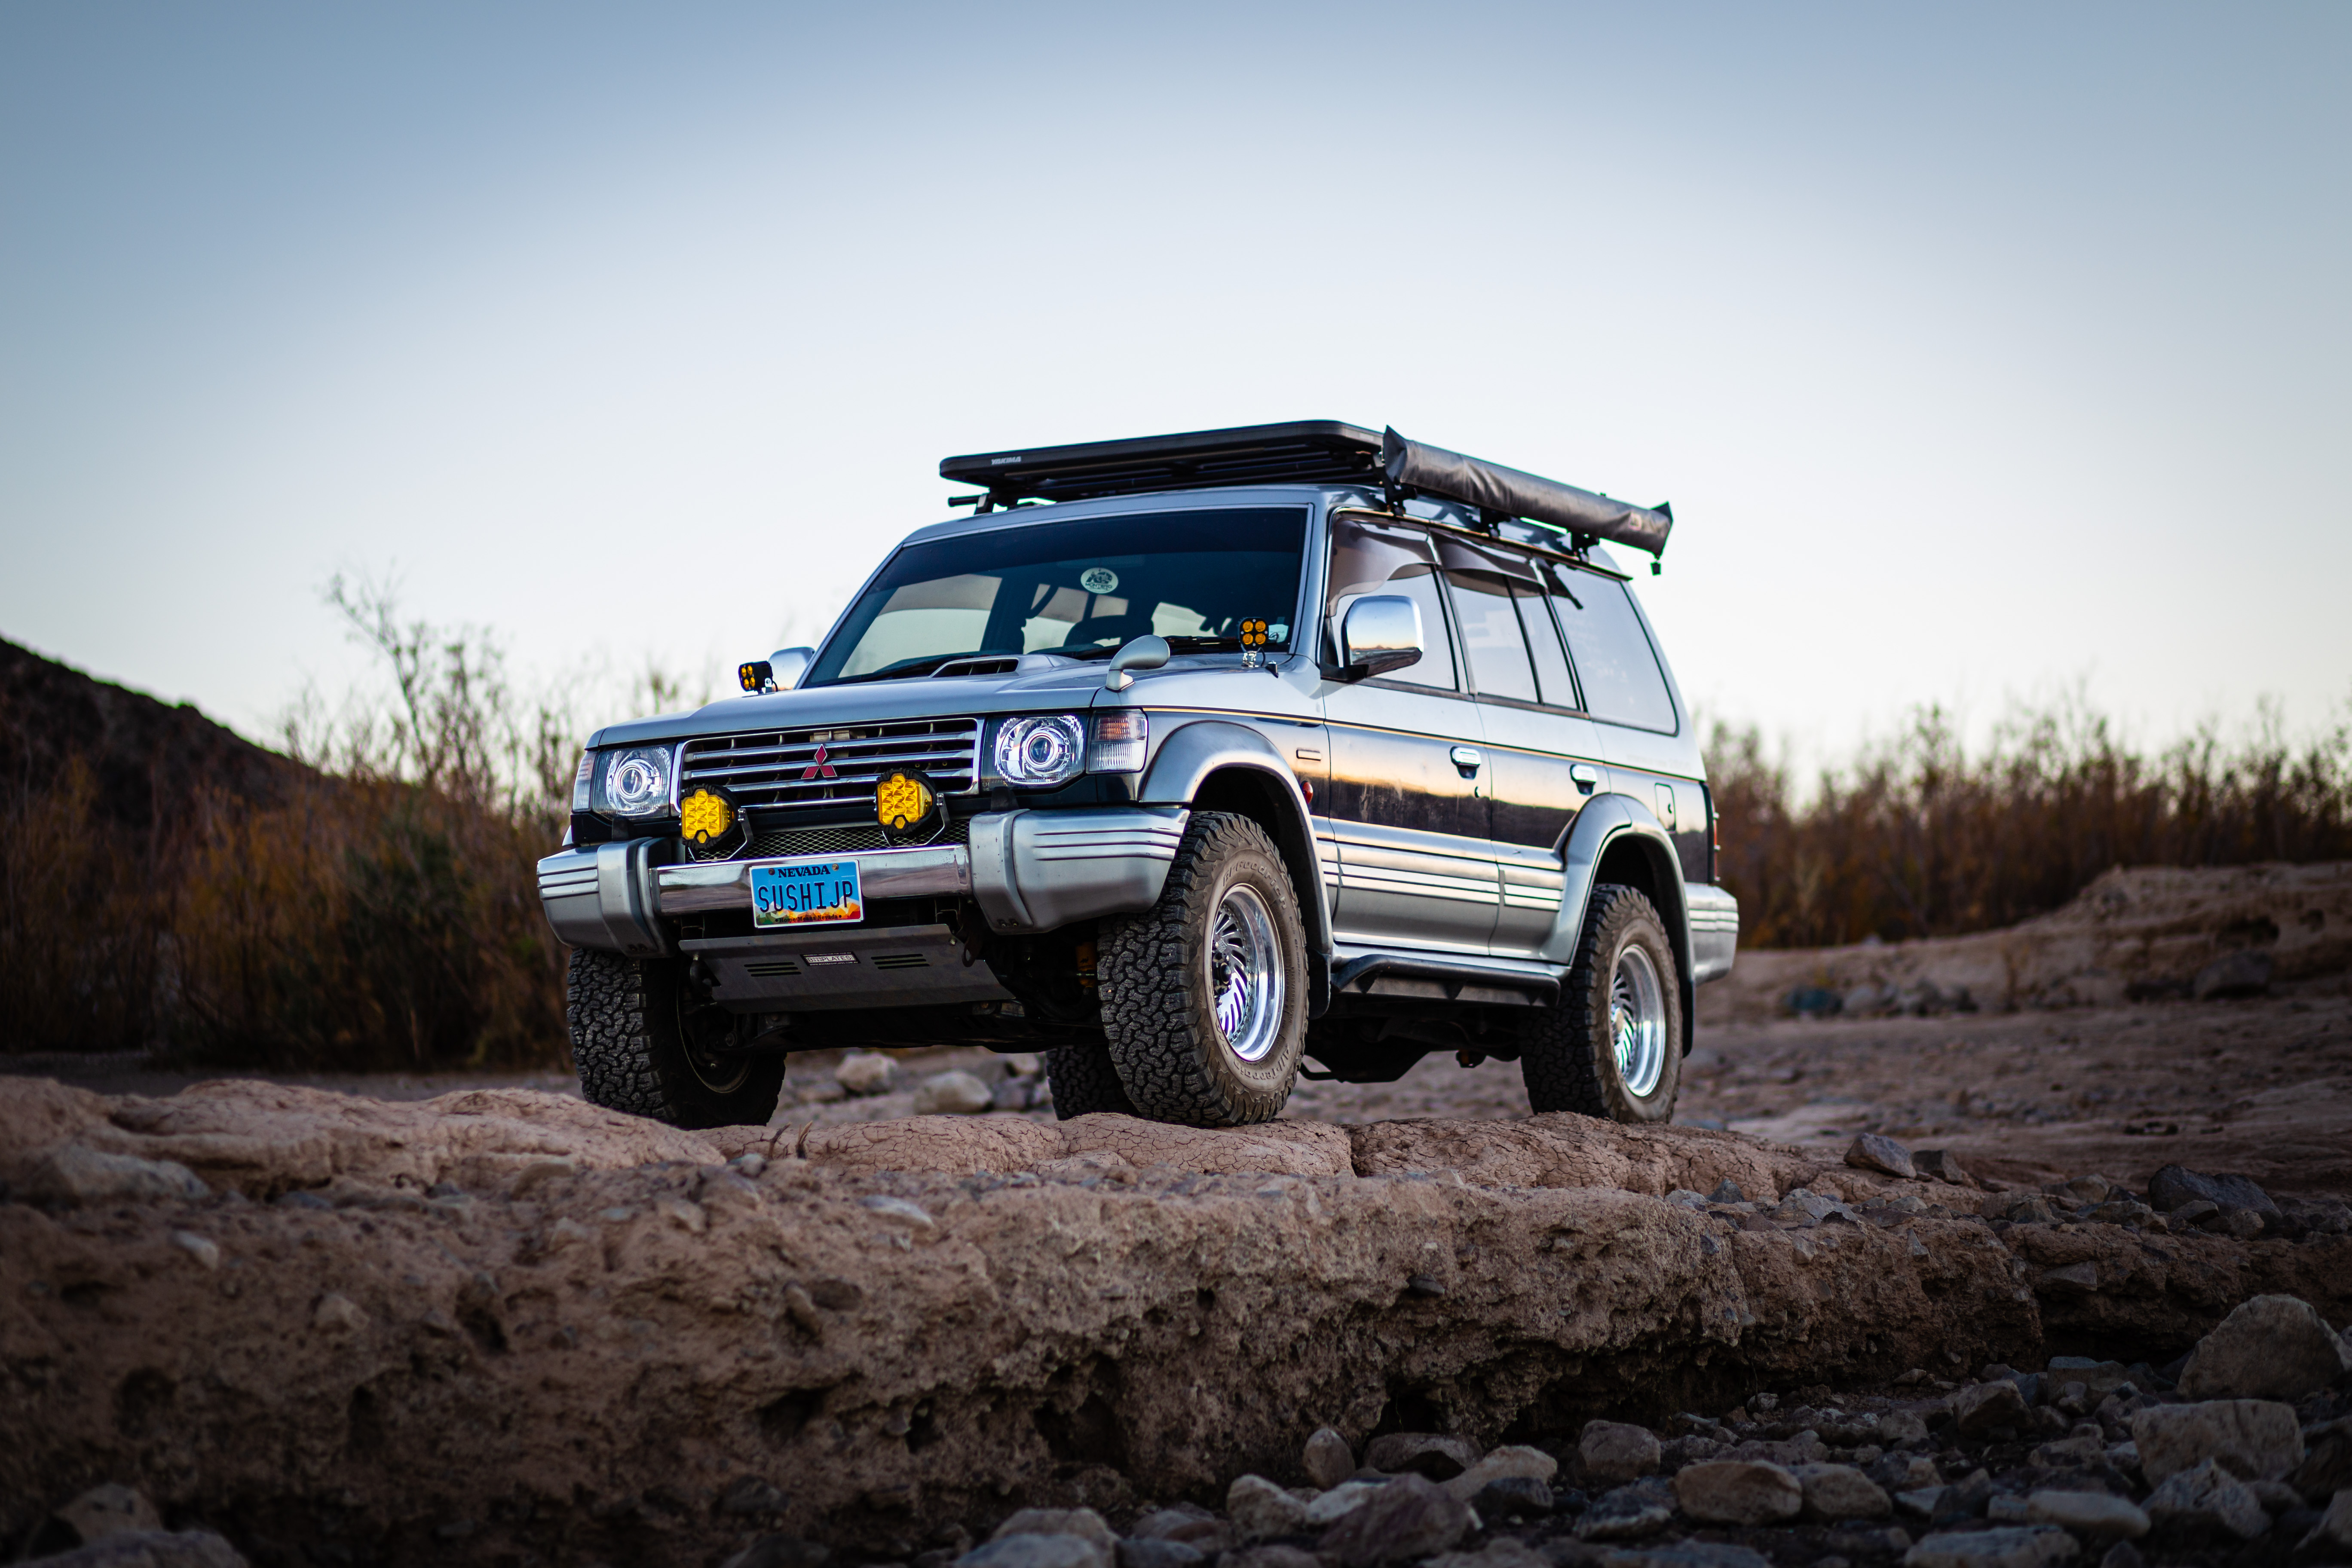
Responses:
[1437,979]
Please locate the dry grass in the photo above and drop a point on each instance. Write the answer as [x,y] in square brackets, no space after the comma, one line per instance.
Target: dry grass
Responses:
[383,912]
[1918,837]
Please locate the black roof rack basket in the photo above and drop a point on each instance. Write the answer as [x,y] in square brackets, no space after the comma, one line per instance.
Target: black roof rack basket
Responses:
[1316,451]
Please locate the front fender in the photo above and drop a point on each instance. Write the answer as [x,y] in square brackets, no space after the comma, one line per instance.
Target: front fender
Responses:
[1195,756]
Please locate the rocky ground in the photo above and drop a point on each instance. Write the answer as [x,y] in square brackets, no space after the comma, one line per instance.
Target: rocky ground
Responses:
[1916,1279]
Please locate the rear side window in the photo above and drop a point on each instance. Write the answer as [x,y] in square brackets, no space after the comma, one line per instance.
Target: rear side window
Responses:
[1614,661]
[1543,641]
[1492,643]
[1380,558]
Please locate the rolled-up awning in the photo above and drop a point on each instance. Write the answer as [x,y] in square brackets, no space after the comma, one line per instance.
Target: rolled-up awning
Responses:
[1434,470]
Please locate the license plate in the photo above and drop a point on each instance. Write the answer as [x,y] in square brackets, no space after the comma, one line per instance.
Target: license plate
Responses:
[806,892]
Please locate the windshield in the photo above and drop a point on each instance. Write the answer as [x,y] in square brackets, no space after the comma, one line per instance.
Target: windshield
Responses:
[1081,588]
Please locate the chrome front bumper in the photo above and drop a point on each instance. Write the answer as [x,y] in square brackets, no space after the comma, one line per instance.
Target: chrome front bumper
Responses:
[1028,870]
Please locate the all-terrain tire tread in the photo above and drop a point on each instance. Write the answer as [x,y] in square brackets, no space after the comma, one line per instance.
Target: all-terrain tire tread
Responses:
[1148,1015]
[628,1057]
[606,1004]
[1085,1081]
[1559,1062]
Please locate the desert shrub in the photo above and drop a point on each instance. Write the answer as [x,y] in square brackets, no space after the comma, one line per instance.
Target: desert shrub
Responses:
[84,912]
[1916,836]
[374,908]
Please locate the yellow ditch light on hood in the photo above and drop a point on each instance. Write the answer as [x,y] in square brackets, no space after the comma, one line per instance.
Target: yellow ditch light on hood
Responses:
[904,802]
[706,815]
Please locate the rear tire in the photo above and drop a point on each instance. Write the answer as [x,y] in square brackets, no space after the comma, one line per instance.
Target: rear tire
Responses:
[1085,1082]
[630,1041]
[1205,995]
[1613,1047]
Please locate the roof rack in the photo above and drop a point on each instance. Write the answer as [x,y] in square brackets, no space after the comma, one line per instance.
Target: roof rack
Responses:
[1314,451]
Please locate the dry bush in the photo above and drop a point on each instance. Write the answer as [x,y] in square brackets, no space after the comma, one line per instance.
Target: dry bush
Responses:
[1917,838]
[84,913]
[375,908]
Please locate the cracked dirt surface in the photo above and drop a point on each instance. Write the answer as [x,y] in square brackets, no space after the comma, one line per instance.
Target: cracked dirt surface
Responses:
[507,1324]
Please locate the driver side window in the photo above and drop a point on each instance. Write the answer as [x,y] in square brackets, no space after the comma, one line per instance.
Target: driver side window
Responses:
[1369,558]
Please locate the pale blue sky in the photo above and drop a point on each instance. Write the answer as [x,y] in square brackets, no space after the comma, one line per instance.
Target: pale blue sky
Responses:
[1981,348]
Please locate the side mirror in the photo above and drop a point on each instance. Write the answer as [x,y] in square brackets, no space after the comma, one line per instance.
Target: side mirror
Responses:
[1146,652]
[1381,632]
[790,664]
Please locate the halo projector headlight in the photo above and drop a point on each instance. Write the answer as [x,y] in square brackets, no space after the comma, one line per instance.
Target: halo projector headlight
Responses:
[637,781]
[1041,751]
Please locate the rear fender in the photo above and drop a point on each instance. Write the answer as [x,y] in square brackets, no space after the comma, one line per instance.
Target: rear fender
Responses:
[1619,838]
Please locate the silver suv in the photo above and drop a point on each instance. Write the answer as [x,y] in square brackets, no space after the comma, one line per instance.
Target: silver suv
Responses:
[1184,761]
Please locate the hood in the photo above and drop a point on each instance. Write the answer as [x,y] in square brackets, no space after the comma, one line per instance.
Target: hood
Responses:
[1067,686]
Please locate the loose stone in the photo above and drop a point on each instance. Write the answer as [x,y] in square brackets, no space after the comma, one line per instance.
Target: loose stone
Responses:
[1328,1460]
[952,1094]
[2271,1347]
[1259,1509]
[1429,1454]
[2099,1514]
[1410,1516]
[2208,1498]
[2256,1438]
[1841,1492]
[1869,1152]
[1979,1409]
[1511,1463]
[1738,1492]
[1612,1452]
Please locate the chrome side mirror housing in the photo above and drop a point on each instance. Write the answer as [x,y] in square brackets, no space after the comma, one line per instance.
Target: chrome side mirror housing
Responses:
[1146,652]
[1381,632]
[789,664]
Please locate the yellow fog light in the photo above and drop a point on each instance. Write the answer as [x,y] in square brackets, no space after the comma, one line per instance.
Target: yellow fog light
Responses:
[1253,634]
[706,817]
[904,801]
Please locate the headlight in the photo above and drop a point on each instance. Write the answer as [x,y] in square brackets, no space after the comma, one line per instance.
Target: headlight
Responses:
[1046,750]
[1120,738]
[583,782]
[636,782]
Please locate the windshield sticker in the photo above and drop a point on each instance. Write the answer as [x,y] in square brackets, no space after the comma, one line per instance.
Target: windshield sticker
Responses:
[1098,580]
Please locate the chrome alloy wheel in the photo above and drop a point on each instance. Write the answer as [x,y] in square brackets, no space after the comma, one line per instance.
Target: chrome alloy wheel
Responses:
[1245,973]
[1637,1021]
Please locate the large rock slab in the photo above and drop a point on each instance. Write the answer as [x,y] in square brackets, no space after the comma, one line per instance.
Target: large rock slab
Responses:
[884,1350]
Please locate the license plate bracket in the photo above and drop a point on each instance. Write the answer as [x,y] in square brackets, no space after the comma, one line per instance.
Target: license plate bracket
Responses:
[806,892]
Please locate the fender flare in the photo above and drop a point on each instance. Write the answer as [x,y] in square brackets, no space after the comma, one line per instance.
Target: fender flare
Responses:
[1606,821]
[1192,754]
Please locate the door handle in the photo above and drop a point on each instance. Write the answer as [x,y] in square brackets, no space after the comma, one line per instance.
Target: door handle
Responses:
[1468,760]
[1586,777]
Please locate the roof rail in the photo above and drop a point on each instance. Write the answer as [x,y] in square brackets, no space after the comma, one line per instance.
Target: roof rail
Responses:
[1314,451]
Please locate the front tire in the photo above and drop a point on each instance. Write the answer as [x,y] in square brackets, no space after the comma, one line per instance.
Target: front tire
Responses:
[1083,1081]
[638,1048]
[1205,995]
[1614,1046]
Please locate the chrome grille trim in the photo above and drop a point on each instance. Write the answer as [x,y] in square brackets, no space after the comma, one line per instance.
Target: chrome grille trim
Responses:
[763,770]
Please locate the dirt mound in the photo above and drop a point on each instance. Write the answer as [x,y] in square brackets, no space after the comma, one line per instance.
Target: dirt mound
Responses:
[504,1323]
[2129,935]
[151,760]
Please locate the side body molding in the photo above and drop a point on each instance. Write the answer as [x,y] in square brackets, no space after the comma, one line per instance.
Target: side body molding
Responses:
[1205,753]
[1606,823]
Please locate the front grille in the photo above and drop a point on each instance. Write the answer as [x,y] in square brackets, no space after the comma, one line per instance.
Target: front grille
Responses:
[801,768]
[855,840]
